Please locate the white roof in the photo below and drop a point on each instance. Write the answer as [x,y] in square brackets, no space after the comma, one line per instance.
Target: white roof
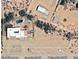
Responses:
[42,9]
[15,32]
[10,32]
[8,0]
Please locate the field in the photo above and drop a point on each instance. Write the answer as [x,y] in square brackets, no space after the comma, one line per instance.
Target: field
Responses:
[65,19]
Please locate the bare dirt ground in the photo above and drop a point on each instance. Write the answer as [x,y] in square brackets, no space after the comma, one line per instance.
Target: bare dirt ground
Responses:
[43,43]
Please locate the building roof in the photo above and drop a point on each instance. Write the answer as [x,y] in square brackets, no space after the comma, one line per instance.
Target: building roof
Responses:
[42,9]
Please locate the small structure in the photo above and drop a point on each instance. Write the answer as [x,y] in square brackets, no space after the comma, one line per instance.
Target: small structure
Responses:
[7,0]
[16,32]
[42,9]
[13,32]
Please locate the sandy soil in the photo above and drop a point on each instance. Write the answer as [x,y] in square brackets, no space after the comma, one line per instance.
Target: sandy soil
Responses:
[43,43]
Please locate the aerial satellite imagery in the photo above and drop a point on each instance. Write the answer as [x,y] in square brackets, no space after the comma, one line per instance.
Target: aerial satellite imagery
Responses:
[39,29]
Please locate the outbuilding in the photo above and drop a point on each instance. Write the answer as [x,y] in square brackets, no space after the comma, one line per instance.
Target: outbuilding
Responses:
[42,9]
